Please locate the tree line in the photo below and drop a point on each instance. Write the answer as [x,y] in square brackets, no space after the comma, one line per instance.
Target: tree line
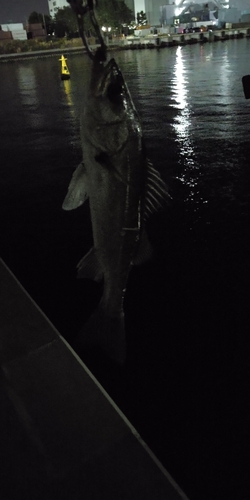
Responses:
[112,14]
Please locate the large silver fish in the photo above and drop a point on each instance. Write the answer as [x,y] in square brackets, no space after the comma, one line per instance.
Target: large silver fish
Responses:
[123,189]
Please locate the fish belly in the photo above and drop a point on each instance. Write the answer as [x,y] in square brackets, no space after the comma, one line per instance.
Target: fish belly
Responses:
[114,216]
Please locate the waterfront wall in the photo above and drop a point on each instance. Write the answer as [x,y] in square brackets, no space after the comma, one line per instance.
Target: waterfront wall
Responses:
[173,39]
[151,41]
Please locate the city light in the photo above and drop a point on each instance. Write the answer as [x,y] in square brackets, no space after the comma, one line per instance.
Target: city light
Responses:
[104,28]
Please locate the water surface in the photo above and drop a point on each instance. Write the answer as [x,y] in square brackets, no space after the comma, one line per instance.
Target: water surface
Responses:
[185,383]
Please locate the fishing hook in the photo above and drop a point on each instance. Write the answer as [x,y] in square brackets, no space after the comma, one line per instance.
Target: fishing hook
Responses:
[80,11]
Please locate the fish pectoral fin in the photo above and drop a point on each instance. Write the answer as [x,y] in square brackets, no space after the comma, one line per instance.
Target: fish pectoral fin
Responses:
[89,267]
[77,190]
[156,196]
[145,250]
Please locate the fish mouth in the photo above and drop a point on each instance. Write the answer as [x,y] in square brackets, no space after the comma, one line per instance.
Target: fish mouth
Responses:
[111,83]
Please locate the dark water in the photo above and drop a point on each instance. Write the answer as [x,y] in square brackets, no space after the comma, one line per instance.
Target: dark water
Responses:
[185,384]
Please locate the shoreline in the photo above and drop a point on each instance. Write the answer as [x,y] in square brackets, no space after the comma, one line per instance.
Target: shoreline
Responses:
[34,54]
[148,42]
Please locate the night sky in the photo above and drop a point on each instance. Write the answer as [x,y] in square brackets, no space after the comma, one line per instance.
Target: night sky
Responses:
[18,11]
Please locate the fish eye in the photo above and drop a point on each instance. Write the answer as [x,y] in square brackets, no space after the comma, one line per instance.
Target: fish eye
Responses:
[114,91]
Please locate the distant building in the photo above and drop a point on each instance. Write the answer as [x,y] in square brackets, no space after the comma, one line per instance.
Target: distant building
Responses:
[5,36]
[164,12]
[36,30]
[195,12]
[240,4]
[167,14]
[16,29]
[231,15]
[153,11]
[54,5]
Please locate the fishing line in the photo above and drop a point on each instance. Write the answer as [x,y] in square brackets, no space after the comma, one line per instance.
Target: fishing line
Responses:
[81,11]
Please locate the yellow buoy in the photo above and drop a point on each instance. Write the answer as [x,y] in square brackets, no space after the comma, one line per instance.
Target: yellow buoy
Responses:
[65,74]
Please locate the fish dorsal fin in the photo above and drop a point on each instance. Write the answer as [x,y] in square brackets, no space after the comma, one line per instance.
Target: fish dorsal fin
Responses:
[89,267]
[77,190]
[157,194]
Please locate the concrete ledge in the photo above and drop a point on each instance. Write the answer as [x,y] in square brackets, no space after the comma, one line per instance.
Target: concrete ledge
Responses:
[34,54]
[61,434]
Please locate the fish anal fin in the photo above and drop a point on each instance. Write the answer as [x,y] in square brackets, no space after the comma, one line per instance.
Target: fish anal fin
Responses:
[89,267]
[156,196]
[77,190]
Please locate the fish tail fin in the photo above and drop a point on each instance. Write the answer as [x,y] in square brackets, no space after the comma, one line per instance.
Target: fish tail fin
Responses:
[104,332]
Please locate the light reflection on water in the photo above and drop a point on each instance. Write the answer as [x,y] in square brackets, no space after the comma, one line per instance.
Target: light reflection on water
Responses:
[29,95]
[194,114]
[182,125]
[27,85]
[180,83]
[180,92]
[68,92]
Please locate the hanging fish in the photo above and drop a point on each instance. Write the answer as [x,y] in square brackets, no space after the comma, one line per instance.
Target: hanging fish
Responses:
[123,189]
